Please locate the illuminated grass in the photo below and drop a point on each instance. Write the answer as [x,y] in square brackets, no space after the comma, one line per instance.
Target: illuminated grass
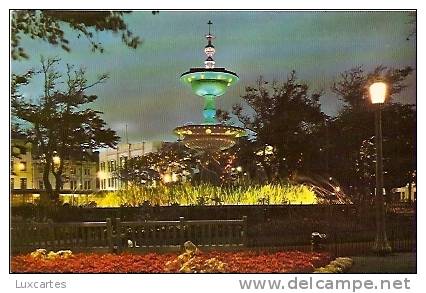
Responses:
[204,194]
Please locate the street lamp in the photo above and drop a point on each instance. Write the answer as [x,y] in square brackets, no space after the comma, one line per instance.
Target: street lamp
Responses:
[167,178]
[56,160]
[378,93]
[22,166]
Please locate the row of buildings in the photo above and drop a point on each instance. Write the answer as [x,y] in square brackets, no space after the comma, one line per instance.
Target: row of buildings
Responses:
[93,172]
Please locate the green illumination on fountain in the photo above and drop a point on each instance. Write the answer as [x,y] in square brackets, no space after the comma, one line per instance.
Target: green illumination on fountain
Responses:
[209,112]
[209,83]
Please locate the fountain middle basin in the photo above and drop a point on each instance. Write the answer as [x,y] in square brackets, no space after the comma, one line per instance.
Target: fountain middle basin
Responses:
[209,137]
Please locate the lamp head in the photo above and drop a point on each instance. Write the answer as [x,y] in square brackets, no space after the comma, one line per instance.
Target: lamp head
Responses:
[56,160]
[21,166]
[378,92]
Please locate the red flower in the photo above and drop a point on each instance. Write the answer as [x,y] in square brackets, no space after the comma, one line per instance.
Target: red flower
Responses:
[238,262]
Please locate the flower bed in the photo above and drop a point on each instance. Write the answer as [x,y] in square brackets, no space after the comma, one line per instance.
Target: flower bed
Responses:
[234,262]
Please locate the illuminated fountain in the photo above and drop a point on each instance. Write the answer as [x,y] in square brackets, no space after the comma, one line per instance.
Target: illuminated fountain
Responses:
[209,82]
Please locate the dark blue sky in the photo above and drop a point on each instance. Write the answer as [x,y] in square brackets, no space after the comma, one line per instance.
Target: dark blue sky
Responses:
[144,90]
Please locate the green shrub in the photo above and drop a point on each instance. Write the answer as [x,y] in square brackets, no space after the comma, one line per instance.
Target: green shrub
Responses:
[339,265]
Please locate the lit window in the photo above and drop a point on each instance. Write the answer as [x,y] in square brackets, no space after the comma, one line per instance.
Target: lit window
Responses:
[23,183]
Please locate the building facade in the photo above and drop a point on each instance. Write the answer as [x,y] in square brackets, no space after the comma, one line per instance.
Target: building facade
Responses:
[92,174]
[111,159]
[406,193]
[77,175]
[27,170]
[21,165]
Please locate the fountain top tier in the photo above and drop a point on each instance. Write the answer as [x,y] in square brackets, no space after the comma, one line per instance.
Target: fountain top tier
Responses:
[209,80]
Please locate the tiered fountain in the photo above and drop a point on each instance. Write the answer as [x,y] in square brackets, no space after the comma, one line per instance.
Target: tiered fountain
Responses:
[209,82]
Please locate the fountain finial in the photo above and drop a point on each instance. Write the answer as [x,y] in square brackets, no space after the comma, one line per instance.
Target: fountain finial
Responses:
[209,49]
[209,23]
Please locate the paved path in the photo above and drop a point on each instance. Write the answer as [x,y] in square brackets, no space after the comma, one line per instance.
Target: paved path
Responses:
[394,263]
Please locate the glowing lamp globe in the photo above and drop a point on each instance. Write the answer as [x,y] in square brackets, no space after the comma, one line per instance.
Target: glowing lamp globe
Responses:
[21,166]
[378,92]
[56,160]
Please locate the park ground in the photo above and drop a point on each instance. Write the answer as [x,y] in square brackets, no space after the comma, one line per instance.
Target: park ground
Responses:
[395,263]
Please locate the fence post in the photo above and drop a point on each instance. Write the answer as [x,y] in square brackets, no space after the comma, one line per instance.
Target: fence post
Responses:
[181,232]
[118,235]
[245,226]
[51,237]
[109,235]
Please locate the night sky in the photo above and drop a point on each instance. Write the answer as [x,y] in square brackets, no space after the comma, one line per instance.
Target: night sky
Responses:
[144,90]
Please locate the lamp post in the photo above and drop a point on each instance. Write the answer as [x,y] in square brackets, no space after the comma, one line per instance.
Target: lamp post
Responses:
[378,92]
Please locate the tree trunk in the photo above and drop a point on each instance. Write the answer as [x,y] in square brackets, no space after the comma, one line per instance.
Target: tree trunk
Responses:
[46,181]
[58,177]
[58,183]
[268,171]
